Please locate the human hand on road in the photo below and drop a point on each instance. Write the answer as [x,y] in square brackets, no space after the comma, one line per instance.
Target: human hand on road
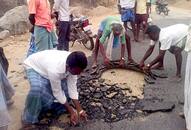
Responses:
[122,63]
[106,61]
[74,118]
[146,68]
[83,115]
[141,65]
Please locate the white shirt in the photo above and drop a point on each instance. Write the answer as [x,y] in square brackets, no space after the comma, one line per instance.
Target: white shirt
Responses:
[62,7]
[188,42]
[51,64]
[127,4]
[171,35]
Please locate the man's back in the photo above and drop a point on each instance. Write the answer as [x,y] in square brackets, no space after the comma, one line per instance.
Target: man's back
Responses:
[48,61]
[171,35]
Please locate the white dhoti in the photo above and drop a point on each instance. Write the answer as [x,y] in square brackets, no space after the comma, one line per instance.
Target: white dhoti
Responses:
[187,93]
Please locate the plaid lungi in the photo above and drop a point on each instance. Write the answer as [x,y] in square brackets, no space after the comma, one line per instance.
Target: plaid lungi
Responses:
[44,40]
[40,97]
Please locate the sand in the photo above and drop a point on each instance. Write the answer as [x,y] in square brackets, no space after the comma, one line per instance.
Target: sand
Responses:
[126,79]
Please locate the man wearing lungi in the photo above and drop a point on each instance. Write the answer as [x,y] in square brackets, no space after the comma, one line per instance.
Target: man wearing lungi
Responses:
[128,14]
[111,28]
[40,17]
[187,84]
[52,75]
[172,38]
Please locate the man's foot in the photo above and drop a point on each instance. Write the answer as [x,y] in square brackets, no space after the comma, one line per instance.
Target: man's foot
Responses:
[175,79]
[158,67]
[132,62]
[181,114]
[94,65]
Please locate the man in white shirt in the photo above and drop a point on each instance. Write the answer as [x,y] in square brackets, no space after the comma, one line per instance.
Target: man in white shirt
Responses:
[61,9]
[128,14]
[172,38]
[187,84]
[52,75]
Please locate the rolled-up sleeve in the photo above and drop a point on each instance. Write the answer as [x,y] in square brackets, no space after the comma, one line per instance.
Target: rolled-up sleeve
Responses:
[56,87]
[56,5]
[72,87]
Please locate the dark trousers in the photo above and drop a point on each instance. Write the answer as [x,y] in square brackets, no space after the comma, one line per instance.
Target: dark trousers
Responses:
[63,35]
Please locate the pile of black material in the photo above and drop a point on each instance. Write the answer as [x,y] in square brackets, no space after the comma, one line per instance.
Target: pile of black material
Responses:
[107,101]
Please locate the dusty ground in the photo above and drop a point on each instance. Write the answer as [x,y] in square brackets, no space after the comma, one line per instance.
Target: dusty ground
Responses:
[15,50]
[126,78]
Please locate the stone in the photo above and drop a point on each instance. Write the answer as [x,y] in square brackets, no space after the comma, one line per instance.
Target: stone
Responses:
[111,95]
[104,89]
[151,107]
[124,111]
[4,34]
[124,101]
[9,4]
[98,95]
[15,20]
[101,80]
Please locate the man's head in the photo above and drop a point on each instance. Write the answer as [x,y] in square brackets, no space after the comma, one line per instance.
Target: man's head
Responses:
[153,32]
[117,29]
[76,62]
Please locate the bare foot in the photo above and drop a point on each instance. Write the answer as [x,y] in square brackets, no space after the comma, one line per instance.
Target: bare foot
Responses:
[158,67]
[94,65]
[131,61]
[175,79]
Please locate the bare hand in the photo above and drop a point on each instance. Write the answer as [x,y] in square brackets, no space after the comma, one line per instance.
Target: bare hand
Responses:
[146,69]
[141,65]
[83,116]
[122,63]
[74,118]
[106,61]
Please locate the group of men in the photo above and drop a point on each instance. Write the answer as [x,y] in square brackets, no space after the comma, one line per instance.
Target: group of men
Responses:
[52,73]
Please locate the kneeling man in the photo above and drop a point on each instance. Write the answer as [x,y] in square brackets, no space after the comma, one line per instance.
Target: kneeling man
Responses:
[52,75]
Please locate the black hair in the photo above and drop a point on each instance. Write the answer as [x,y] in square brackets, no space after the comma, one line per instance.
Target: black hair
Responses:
[77,59]
[152,29]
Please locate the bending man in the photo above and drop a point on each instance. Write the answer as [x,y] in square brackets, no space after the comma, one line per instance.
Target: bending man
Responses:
[172,38]
[112,29]
[52,75]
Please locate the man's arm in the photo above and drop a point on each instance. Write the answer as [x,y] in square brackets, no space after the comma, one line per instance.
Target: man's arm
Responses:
[147,54]
[56,7]
[60,96]
[158,58]
[73,94]
[102,40]
[32,19]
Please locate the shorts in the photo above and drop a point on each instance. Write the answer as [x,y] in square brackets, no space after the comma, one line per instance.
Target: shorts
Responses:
[127,15]
[140,18]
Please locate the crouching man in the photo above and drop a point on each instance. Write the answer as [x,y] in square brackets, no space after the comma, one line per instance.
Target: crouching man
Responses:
[52,75]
